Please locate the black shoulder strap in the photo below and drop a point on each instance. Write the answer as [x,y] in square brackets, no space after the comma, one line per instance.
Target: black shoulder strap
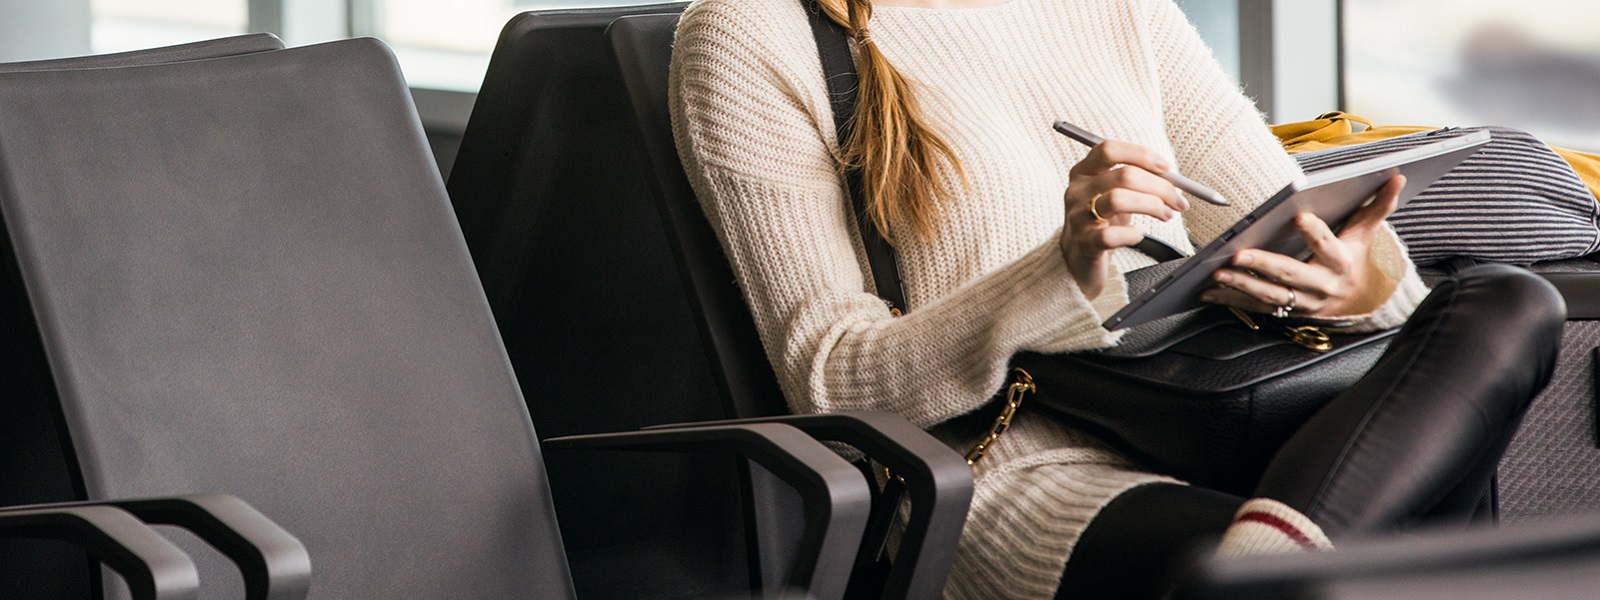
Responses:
[839,70]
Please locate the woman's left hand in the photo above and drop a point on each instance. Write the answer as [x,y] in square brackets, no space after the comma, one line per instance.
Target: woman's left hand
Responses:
[1339,280]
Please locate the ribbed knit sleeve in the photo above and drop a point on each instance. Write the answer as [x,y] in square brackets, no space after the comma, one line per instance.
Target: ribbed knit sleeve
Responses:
[754,132]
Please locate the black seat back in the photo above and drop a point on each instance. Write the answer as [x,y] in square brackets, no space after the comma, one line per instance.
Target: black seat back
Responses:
[36,465]
[643,47]
[554,201]
[248,279]
[555,207]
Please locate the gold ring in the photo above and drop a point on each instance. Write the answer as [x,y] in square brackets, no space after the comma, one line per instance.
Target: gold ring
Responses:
[1097,218]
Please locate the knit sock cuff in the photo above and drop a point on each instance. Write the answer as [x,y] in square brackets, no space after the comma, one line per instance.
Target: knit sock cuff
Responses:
[1266,526]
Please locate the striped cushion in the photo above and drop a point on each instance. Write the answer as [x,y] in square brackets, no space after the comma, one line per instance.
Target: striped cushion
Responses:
[1515,201]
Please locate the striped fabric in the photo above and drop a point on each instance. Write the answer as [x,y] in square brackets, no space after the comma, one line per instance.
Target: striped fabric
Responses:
[1515,201]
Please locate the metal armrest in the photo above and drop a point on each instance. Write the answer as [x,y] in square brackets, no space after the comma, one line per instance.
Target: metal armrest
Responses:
[937,478]
[274,565]
[835,497]
[153,567]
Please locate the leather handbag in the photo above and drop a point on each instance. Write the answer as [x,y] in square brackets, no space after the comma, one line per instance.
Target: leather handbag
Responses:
[1206,396]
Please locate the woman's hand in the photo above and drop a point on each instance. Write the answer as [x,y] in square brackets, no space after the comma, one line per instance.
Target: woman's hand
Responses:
[1340,280]
[1114,182]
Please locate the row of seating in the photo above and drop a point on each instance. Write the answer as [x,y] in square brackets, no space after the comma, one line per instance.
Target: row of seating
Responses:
[239,293]
[247,277]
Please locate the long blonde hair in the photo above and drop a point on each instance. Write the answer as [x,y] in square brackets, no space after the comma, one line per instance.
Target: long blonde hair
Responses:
[898,154]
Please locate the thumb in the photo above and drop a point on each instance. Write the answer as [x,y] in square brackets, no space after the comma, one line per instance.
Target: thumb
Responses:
[1367,219]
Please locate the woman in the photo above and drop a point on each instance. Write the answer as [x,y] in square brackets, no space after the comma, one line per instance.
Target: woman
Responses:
[1012,238]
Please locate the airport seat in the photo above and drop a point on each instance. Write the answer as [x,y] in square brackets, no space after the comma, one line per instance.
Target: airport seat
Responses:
[642,46]
[554,207]
[245,277]
[553,195]
[34,461]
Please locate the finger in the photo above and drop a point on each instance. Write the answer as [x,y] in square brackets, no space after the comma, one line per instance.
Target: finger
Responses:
[1118,202]
[1266,292]
[1112,237]
[1111,153]
[1237,299]
[1139,180]
[1328,248]
[1285,270]
[1366,221]
[1120,237]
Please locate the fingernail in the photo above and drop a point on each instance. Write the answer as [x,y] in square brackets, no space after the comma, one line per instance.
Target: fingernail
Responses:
[1208,297]
[1224,276]
[1163,164]
[1244,258]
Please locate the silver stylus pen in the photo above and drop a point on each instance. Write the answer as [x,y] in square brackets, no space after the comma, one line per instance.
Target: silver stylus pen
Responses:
[1184,183]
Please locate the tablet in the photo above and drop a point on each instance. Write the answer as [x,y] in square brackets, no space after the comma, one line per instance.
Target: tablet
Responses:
[1333,195]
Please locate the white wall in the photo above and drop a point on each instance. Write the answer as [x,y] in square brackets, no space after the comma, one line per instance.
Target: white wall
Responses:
[39,29]
[1288,56]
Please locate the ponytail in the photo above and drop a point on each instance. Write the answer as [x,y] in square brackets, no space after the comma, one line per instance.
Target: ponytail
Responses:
[898,154]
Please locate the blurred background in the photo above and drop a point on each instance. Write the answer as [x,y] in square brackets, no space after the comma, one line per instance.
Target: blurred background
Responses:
[1532,64]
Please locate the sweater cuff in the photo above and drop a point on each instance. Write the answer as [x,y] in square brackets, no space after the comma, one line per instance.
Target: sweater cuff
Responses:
[1068,320]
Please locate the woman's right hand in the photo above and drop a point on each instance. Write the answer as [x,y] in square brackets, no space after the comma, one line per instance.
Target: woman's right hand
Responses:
[1114,182]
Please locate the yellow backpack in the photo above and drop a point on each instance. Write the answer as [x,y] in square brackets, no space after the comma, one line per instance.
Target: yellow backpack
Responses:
[1338,129]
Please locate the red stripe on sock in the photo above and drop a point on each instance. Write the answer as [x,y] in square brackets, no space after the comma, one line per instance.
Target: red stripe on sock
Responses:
[1284,527]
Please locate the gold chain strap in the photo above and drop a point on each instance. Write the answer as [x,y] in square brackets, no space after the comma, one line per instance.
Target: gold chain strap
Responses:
[1021,386]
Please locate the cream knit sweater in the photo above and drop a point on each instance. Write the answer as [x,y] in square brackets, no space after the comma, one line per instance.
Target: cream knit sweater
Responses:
[756,134]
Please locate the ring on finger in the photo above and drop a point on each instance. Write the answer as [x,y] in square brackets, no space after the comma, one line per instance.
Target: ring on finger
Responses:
[1097,218]
[1283,310]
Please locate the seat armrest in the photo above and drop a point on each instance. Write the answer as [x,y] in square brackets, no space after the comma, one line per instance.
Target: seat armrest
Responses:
[836,498]
[274,565]
[937,478]
[153,567]
[1580,290]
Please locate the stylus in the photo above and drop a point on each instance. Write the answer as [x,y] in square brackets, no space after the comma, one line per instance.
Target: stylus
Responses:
[1184,183]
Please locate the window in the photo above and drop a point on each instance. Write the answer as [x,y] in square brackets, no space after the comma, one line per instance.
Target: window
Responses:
[1531,64]
[441,45]
[120,25]
[448,48]
[1218,23]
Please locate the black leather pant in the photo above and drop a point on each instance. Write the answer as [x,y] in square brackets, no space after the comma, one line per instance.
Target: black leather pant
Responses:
[1417,439]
